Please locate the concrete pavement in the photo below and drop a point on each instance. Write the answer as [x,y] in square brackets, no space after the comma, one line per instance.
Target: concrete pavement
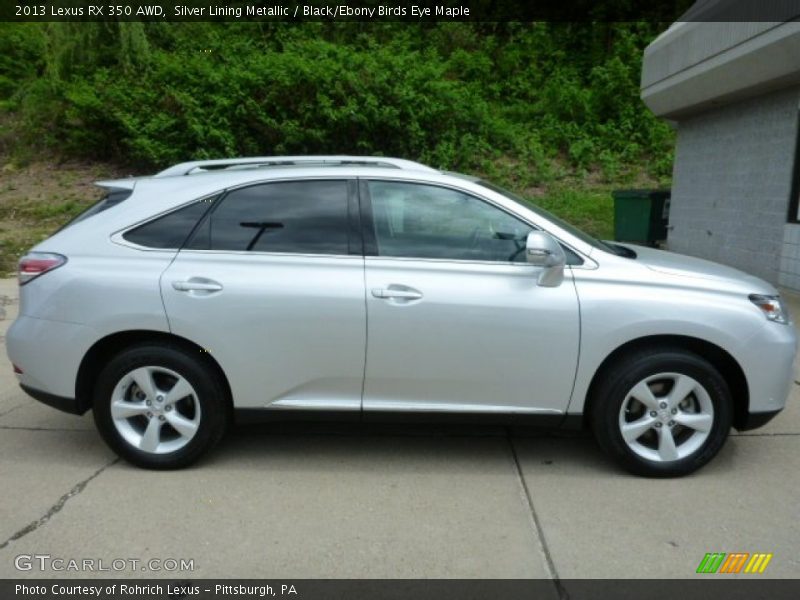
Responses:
[296,501]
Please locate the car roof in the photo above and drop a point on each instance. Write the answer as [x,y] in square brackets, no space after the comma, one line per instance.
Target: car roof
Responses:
[219,179]
[261,162]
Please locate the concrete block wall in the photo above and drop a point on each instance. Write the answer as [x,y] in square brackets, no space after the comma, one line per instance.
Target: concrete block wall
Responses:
[789,267]
[732,180]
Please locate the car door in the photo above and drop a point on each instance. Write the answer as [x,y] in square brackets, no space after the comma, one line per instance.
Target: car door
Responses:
[456,320]
[271,284]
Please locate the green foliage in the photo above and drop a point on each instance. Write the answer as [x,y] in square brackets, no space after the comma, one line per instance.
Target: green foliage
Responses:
[591,210]
[20,45]
[518,100]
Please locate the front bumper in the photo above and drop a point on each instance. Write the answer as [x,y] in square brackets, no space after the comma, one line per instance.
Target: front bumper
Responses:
[767,360]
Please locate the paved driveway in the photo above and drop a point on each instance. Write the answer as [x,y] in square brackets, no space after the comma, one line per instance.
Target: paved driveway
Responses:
[297,501]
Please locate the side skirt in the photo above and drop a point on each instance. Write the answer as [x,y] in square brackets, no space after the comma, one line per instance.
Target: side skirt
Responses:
[543,421]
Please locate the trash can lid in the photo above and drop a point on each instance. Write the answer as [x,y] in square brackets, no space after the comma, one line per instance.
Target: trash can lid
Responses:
[640,194]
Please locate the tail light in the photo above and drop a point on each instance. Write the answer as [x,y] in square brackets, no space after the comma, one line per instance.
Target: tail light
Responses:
[34,264]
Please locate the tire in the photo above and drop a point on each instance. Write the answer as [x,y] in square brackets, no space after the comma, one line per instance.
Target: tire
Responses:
[160,406]
[635,427]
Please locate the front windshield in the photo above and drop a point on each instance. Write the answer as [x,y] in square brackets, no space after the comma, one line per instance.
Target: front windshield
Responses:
[581,235]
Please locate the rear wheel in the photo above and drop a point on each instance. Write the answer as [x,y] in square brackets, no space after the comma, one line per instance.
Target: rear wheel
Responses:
[662,413]
[160,407]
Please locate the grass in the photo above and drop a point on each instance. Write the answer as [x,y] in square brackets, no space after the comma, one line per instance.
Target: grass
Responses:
[38,198]
[590,209]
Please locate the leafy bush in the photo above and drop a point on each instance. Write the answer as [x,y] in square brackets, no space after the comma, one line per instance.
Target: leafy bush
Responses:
[470,96]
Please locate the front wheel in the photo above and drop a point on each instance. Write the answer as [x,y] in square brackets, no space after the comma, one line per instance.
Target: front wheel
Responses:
[159,407]
[662,413]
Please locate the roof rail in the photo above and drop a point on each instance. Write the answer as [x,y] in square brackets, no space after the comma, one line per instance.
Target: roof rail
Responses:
[200,166]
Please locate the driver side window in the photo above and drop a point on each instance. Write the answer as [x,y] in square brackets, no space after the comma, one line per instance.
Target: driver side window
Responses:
[424,221]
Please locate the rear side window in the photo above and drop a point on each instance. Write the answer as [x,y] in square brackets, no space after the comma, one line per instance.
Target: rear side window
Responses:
[170,230]
[301,217]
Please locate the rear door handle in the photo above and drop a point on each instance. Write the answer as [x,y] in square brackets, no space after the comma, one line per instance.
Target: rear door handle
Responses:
[390,293]
[197,286]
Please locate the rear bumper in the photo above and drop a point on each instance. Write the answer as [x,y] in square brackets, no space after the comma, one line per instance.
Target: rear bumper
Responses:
[756,420]
[49,354]
[69,405]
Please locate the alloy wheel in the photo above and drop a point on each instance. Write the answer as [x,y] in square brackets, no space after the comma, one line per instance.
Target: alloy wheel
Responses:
[155,410]
[666,417]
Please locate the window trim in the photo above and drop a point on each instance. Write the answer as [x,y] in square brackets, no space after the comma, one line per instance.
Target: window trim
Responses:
[354,229]
[370,238]
[361,234]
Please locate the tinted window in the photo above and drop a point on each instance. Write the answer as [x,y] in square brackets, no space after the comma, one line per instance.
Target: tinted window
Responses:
[305,217]
[424,221]
[171,230]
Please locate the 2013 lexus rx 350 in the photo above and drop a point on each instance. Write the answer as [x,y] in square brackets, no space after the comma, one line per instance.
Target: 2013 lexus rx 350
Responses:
[269,287]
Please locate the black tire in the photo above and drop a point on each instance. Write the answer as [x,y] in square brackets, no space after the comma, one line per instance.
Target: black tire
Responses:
[210,393]
[618,381]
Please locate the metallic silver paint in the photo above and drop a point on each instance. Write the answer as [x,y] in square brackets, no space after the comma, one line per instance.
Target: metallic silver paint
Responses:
[287,330]
[484,337]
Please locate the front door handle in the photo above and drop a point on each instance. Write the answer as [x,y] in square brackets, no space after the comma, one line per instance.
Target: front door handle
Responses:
[197,286]
[396,294]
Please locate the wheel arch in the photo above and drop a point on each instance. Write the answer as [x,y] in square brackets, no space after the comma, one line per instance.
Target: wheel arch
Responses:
[105,348]
[722,360]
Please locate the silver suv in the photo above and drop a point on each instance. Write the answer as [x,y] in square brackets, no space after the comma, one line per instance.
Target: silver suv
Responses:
[366,287]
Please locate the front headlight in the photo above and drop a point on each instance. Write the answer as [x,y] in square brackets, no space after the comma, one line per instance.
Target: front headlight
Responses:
[772,307]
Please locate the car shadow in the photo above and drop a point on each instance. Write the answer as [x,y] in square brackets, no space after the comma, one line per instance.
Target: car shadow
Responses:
[373,447]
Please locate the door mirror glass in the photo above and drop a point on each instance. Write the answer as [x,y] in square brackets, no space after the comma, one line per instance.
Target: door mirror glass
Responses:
[542,250]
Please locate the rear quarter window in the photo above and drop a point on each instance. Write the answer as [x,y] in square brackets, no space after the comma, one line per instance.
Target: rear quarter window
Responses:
[170,230]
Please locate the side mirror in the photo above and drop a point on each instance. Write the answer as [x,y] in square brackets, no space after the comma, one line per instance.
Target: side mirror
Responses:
[542,250]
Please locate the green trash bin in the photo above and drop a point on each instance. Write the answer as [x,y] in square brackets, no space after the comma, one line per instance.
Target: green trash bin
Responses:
[641,215]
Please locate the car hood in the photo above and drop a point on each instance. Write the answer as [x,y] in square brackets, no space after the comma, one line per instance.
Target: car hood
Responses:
[689,267]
